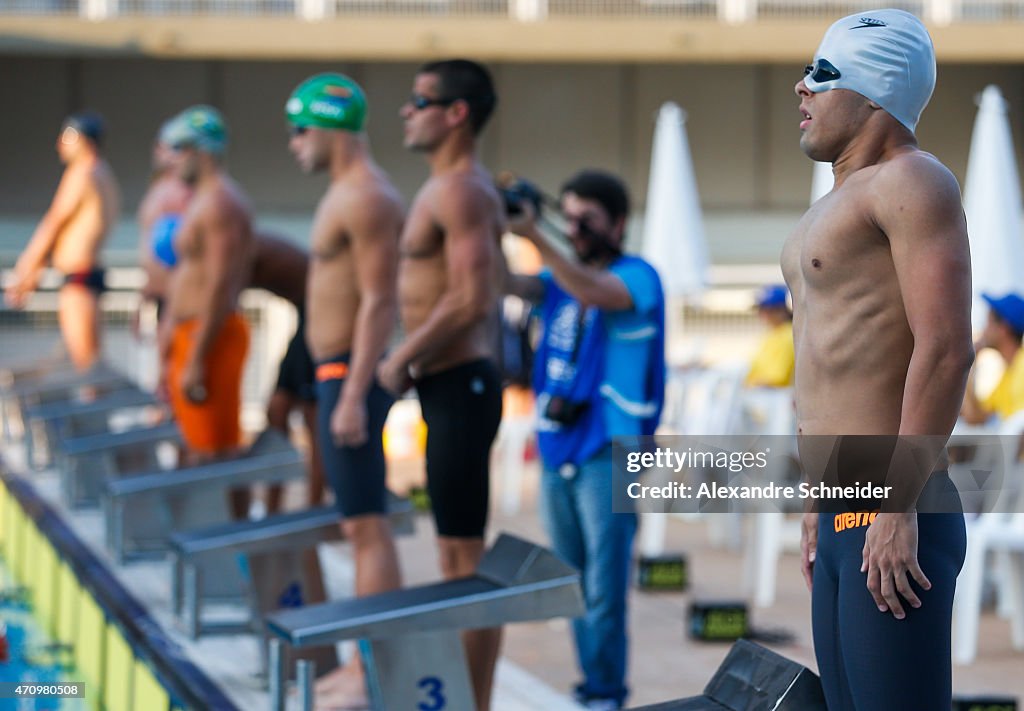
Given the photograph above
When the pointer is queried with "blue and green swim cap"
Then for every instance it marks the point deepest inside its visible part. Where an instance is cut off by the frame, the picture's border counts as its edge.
(199, 127)
(330, 101)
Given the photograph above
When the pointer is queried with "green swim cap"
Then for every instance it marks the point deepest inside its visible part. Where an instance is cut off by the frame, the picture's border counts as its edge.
(199, 127)
(331, 101)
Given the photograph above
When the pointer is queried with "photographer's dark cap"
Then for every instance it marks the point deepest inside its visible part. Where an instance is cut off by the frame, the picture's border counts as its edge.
(1009, 308)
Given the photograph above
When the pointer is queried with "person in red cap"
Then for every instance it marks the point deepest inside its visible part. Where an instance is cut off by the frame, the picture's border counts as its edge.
(1002, 333)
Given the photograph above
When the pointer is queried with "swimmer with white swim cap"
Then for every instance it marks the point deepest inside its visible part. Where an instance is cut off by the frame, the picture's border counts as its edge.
(886, 56)
(879, 270)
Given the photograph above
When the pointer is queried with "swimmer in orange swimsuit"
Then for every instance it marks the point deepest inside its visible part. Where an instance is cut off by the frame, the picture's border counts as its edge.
(204, 339)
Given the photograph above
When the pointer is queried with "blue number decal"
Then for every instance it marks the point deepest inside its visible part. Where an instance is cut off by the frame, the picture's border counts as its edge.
(433, 686)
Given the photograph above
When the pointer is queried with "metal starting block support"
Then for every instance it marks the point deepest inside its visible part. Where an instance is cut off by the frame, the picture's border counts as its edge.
(84, 463)
(413, 652)
(12, 373)
(46, 426)
(272, 542)
(180, 499)
(753, 678)
(61, 386)
(38, 387)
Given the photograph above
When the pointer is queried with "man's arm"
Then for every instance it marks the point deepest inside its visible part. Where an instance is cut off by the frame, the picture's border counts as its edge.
(588, 285)
(917, 205)
(528, 287)
(464, 214)
(70, 191)
(928, 238)
(373, 229)
(221, 250)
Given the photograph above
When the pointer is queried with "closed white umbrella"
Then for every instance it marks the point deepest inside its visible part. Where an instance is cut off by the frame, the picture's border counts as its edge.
(674, 239)
(674, 243)
(821, 181)
(992, 203)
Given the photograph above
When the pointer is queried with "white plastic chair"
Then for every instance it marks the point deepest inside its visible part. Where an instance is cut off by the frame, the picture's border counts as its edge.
(1000, 531)
(697, 402)
(513, 442)
(770, 412)
(990, 533)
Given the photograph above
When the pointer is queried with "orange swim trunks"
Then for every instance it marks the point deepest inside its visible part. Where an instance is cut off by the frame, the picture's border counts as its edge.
(211, 426)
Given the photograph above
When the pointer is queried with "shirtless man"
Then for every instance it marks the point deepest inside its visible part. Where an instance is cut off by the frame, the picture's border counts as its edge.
(448, 287)
(880, 275)
(351, 314)
(165, 201)
(281, 267)
(204, 339)
(85, 208)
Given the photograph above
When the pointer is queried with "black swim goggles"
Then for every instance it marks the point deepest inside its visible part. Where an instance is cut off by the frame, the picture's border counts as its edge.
(821, 71)
(420, 102)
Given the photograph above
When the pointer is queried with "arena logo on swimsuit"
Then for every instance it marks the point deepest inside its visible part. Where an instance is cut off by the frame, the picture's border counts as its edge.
(844, 521)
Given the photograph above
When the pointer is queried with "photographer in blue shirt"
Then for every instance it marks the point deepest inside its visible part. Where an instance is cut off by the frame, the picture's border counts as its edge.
(599, 373)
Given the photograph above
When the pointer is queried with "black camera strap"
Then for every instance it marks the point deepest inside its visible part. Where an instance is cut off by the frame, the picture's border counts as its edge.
(577, 342)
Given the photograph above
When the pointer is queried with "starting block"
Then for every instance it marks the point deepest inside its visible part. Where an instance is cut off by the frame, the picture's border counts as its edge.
(12, 373)
(721, 621)
(64, 385)
(272, 542)
(984, 703)
(663, 572)
(46, 426)
(420, 499)
(86, 462)
(753, 678)
(412, 648)
(141, 510)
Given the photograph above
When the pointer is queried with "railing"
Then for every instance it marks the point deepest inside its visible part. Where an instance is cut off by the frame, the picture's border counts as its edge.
(35, 330)
(729, 11)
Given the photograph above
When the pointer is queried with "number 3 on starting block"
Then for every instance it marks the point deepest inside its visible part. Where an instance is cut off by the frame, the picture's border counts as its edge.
(434, 690)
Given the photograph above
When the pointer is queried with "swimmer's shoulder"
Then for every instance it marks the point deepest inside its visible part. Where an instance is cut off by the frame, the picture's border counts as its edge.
(221, 204)
(459, 192)
(915, 168)
(348, 201)
(473, 180)
(912, 175)
(915, 189)
(234, 193)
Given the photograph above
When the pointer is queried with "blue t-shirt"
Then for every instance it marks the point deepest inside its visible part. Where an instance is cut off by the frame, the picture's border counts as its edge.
(614, 361)
(634, 381)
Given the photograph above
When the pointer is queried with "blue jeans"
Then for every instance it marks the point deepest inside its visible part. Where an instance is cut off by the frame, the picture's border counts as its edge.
(577, 513)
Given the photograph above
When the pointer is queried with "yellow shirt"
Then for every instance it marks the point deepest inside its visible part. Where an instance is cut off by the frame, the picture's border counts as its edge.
(773, 363)
(1008, 396)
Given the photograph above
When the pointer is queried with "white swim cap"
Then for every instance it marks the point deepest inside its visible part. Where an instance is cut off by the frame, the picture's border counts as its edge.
(884, 55)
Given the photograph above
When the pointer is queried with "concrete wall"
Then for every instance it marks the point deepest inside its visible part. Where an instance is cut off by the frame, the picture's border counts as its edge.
(552, 119)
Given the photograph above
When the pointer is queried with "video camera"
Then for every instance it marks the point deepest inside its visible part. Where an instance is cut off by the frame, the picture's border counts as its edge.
(516, 192)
